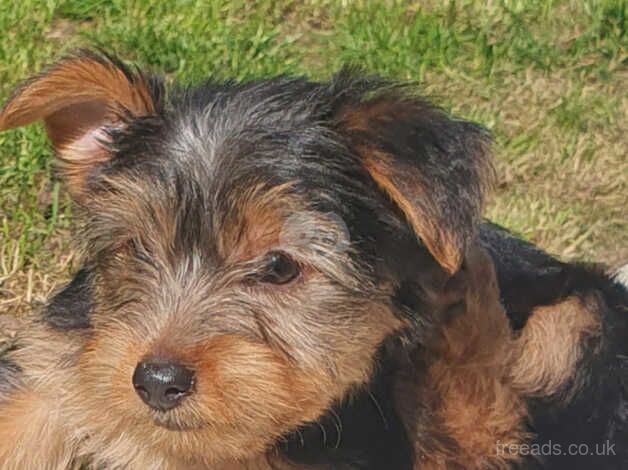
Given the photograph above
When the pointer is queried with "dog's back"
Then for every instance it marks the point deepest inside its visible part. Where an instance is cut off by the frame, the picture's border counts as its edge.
(582, 422)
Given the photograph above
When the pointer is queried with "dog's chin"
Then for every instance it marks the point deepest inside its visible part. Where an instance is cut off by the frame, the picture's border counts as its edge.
(204, 444)
(171, 423)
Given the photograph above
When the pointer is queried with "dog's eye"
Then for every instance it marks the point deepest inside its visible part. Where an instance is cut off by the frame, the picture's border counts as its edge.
(279, 269)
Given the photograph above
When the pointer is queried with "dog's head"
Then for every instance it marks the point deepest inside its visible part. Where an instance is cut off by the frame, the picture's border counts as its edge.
(249, 247)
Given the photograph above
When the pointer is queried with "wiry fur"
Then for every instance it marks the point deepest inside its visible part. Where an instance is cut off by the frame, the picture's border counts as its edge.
(391, 349)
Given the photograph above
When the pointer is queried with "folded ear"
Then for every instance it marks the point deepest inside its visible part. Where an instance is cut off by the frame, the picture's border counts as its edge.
(433, 168)
(81, 99)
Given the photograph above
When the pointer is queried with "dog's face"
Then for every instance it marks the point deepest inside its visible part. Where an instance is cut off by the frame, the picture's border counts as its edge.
(249, 247)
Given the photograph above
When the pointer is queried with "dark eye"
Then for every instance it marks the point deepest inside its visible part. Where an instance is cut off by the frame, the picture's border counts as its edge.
(280, 269)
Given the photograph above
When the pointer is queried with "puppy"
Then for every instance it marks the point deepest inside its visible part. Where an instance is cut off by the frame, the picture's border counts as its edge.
(292, 274)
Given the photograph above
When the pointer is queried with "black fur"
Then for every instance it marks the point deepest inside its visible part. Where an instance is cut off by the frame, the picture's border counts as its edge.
(363, 433)
(69, 308)
(592, 409)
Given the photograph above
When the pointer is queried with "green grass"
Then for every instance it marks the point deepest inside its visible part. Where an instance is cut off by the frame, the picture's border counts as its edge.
(548, 77)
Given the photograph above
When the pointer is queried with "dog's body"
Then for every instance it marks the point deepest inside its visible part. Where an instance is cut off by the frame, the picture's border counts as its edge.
(588, 408)
(293, 275)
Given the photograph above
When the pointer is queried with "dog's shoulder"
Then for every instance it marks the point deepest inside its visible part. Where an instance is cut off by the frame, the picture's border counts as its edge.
(572, 319)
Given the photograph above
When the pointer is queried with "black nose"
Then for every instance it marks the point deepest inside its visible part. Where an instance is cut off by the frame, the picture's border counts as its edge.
(162, 385)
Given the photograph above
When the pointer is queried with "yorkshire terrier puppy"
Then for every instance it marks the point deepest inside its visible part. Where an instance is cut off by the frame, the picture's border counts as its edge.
(292, 274)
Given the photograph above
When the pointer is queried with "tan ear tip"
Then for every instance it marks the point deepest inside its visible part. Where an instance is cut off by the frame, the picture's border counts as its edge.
(452, 266)
(448, 253)
(9, 120)
(14, 111)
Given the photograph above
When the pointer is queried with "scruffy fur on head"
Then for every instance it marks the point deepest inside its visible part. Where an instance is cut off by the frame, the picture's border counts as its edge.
(309, 250)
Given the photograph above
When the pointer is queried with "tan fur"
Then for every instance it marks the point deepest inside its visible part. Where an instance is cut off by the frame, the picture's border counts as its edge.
(385, 172)
(75, 81)
(263, 367)
(247, 395)
(548, 351)
(48, 409)
(480, 375)
(33, 412)
(79, 404)
(75, 98)
(257, 223)
(25, 419)
(404, 183)
(473, 404)
(444, 249)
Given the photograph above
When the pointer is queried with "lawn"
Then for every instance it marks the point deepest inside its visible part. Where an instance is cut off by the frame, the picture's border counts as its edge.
(547, 77)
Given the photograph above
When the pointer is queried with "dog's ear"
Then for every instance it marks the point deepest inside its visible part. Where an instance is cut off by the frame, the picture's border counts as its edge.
(433, 168)
(81, 99)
